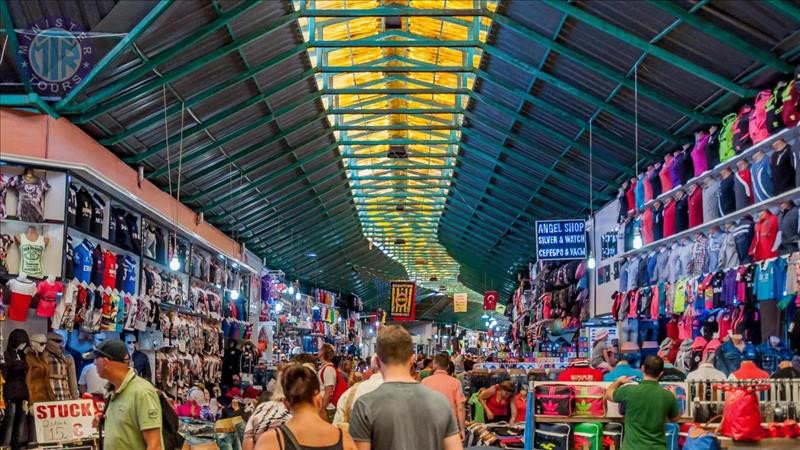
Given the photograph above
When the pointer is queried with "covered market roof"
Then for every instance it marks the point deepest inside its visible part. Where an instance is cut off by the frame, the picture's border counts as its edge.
(355, 142)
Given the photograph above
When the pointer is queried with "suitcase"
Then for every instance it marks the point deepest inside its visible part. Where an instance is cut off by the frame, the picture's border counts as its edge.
(612, 436)
(671, 430)
(588, 436)
(552, 436)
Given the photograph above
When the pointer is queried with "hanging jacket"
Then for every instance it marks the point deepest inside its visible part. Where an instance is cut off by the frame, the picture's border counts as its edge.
(698, 264)
(655, 181)
(726, 197)
(38, 378)
(696, 207)
(784, 170)
(675, 169)
(728, 256)
(712, 149)
(631, 193)
(790, 229)
(699, 160)
(622, 198)
(647, 226)
(669, 218)
(743, 236)
(729, 358)
(648, 184)
(687, 166)
(639, 194)
(682, 214)
(743, 189)
(766, 232)
(658, 221)
(685, 256)
(664, 174)
(713, 250)
(710, 199)
(674, 264)
(762, 179)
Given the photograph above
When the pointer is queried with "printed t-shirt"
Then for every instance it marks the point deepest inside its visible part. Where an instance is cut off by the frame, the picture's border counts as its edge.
(83, 211)
(30, 197)
(765, 281)
(31, 252)
(48, 294)
(82, 263)
(21, 294)
(109, 269)
(647, 408)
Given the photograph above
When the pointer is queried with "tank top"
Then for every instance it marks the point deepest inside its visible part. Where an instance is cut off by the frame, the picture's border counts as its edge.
(290, 441)
(30, 262)
(497, 407)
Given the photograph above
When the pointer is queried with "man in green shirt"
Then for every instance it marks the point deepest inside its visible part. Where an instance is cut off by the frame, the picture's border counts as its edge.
(647, 407)
(133, 413)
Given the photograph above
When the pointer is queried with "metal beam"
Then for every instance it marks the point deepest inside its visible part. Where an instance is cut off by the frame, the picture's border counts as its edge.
(407, 111)
(724, 36)
(110, 57)
(401, 166)
(393, 11)
(410, 155)
(189, 41)
(394, 91)
(369, 68)
(642, 44)
(394, 127)
(431, 142)
(372, 43)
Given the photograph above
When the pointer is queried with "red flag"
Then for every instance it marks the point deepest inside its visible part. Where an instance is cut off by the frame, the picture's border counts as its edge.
(490, 301)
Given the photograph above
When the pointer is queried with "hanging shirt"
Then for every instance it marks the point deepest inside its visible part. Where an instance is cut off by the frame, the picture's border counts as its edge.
(727, 195)
(682, 214)
(30, 197)
(109, 269)
(789, 223)
(712, 149)
(19, 299)
(714, 247)
(72, 204)
(4, 182)
(658, 222)
(639, 194)
(647, 226)
(710, 199)
(5, 243)
(82, 263)
(48, 295)
(784, 169)
(655, 181)
(98, 265)
(98, 215)
(631, 195)
(686, 166)
(665, 174)
(765, 281)
(676, 168)
(698, 263)
(83, 211)
(31, 252)
(662, 266)
(766, 232)
(647, 183)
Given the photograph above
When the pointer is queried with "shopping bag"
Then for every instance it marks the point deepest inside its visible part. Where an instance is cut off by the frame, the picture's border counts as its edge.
(741, 414)
(699, 438)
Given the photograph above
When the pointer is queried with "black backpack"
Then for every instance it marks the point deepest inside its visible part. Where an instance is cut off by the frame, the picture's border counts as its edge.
(172, 440)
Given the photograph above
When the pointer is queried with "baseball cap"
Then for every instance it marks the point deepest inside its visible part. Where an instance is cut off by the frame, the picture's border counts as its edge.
(113, 349)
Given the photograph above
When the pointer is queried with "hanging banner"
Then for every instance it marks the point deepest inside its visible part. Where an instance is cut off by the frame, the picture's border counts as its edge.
(489, 300)
(560, 239)
(63, 421)
(501, 309)
(404, 300)
(460, 303)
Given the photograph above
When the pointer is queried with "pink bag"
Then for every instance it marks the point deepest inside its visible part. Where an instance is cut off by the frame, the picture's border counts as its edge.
(590, 401)
(758, 117)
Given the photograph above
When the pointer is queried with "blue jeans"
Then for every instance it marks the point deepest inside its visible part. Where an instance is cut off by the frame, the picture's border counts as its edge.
(228, 441)
(648, 331)
(628, 331)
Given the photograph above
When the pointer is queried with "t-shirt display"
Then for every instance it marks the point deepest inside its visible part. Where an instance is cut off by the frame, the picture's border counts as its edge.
(31, 253)
(84, 209)
(98, 215)
(5, 243)
(72, 204)
(31, 191)
(4, 181)
(48, 293)
(21, 292)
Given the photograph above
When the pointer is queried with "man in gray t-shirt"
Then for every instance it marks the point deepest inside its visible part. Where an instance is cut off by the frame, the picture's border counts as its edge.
(402, 414)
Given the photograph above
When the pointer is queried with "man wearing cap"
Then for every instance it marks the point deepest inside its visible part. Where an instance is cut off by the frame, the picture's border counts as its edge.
(626, 367)
(133, 413)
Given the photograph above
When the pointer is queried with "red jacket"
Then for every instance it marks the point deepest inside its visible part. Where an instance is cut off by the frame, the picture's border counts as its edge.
(666, 180)
(766, 231)
(696, 208)
(647, 225)
(669, 218)
(631, 195)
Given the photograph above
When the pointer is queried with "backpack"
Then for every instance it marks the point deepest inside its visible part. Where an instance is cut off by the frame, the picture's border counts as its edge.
(612, 436)
(339, 388)
(790, 113)
(741, 130)
(758, 117)
(774, 110)
(170, 423)
(554, 400)
(587, 436)
(552, 436)
(726, 138)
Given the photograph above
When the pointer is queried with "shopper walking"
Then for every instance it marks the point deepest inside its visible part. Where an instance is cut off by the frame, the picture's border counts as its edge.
(344, 408)
(402, 414)
(444, 383)
(268, 415)
(132, 416)
(328, 375)
(647, 407)
(306, 429)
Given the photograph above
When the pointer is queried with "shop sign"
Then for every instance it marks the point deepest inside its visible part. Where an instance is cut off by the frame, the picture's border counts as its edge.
(404, 300)
(460, 303)
(64, 421)
(560, 239)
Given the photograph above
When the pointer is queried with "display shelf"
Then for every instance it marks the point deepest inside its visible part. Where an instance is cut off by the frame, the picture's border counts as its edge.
(81, 235)
(187, 311)
(573, 419)
(165, 268)
(765, 145)
(706, 226)
(14, 220)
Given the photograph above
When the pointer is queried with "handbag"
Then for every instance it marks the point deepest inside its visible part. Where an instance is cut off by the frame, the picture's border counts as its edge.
(699, 438)
(741, 414)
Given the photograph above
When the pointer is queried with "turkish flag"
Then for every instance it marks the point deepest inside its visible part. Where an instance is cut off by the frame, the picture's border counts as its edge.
(489, 300)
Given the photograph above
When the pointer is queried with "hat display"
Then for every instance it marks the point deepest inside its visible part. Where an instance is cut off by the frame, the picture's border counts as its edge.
(113, 349)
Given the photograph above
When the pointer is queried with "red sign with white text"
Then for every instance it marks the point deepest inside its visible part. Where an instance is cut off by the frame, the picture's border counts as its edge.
(64, 421)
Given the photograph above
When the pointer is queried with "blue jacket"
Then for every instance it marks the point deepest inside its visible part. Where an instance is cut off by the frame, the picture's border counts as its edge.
(728, 358)
(769, 356)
